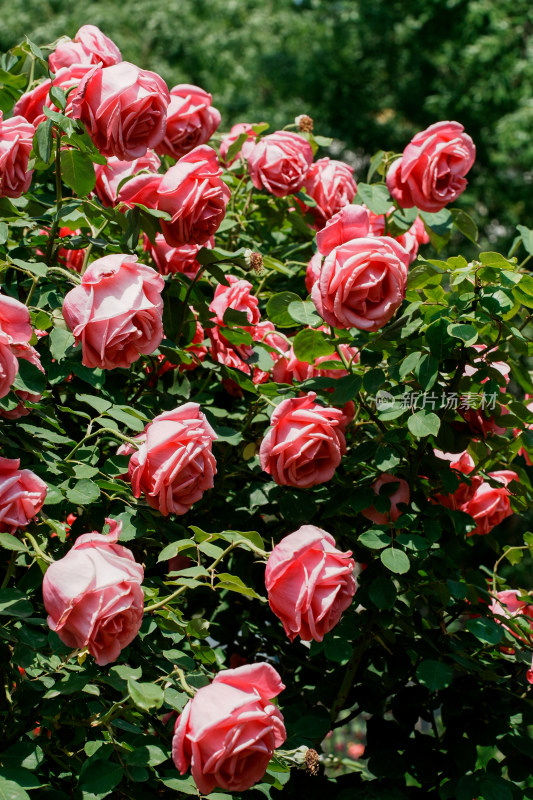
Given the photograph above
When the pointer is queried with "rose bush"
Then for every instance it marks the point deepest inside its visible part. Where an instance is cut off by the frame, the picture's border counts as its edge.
(162, 366)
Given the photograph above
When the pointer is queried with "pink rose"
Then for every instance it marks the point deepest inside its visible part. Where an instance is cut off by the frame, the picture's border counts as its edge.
(490, 505)
(229, 138)
(331, 185)
(193, 192)
(309, 583)
(516, 431)
(116, 311)
(229, 730)
(16, 142)
(15, 320)
(22, 495)
(362, 283)
(30, 104)
(89, 46)
(8, 364)
(288, 368)
(236, 296)
(305, 444)
(27, 353)
(430, 173)
(109, 176)
(279, 163)
(400, 495)
(124, 109)
(507, 604)
(93, 595)
(170, 260)
(175, 464)
(410, 240)
(351, 222)
(191, 120)
(142, 189)
(312, 272)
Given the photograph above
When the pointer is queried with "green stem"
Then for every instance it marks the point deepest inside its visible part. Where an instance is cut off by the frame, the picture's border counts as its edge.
(99, 432)
(32, 290)
(183, 683)
(166, 600)
(88, 249)
(37, 549)
(59, 200)
(10, 570)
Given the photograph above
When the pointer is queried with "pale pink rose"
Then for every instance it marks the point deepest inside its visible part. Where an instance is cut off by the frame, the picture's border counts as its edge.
(191, 120)
(399, 496)
(124, 109)
(89, 46)
(288, 368)
(430, 173)
(93, 595)
(331, 185)
(236, 296)
(28, 353)
(170, 260)
(229, 138)
(195, 195)
(362, 283)
(279, 163)
(229, 730)
(8, 364)
(15, 320)
(309, 583)
(22, 494)
(313, 271)
(410, 240)
(16, 142)
(109, 176)
(305, 443)
(351, 222)
(116, 311)
(175, 464)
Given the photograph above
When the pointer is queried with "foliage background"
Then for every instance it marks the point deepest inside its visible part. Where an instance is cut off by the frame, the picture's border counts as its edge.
(367, 72)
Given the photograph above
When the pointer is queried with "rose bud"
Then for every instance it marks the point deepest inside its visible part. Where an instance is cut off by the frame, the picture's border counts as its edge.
(331, 185)
(230, 138)
(305, 444)
(400, 495)
(236, 296)
(89, 46)
(362, 283)
(116, 311)
(22, 494)
(430, 173)
(175, 464)
(279, 163)
(124, 109)
(309, 583)
(16, 142)
(93, 595)
(229, 730)
(191, 120)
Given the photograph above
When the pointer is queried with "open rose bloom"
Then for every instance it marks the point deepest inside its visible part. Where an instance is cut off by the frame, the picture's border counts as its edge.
(191, 120)
(280, 162)
(22, 494)
(16, 142)
(93, 595)
(229, 730)
(89, 46)
(309, 583)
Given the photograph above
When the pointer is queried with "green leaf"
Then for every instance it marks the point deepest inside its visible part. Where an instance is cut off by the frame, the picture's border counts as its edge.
(395, 560)
(427, 371)
(434, 674)
(234, 584)
(304, 312)
(486, 630)
(375, 539)
(100, 777)
(127, 416)
(465, 224)
(382, 592)
(145, 695)
(9, 790)
(98, 403)
(467, 333)
(13, 603)
(527, 238)
(147, 755)
(84, 492)
(29, 378)
(409, 363)
(310, 344)
(77, 171)
(346, 388)
(10, 542)
(277, 309)
(375, 196)
(43, 140)
(422, 424)
(60, 341)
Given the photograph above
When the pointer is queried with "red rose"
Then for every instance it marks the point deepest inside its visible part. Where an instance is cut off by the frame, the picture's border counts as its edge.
(191, 120)
(430, 173)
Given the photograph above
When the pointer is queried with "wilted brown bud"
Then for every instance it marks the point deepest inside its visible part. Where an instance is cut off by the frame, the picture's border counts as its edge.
(254, 260)
(305, 123)
(312, 762)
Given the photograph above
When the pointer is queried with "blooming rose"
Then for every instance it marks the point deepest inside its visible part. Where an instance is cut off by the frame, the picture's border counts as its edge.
(16, 142)
(400, 495)
(508, 604)
(305, 444)
(191, 120)
(478, 420)
(89, 46)
(229, 730)
(109, 176)
(351, 222)
(193, 192)
(124, 109)
(116, 311)
(361, 283)
(30, 104)
(236, 296)
(410, 240)
(169, 260)
(175, 464)
(15, 320)
(313, 271)
(430, 173)
(279, 163)
(231, 137)
(22, 495)
(27, 353)
(289, 368)
(93, 595)
(309, 583)
(331, 185)
(8, 364)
